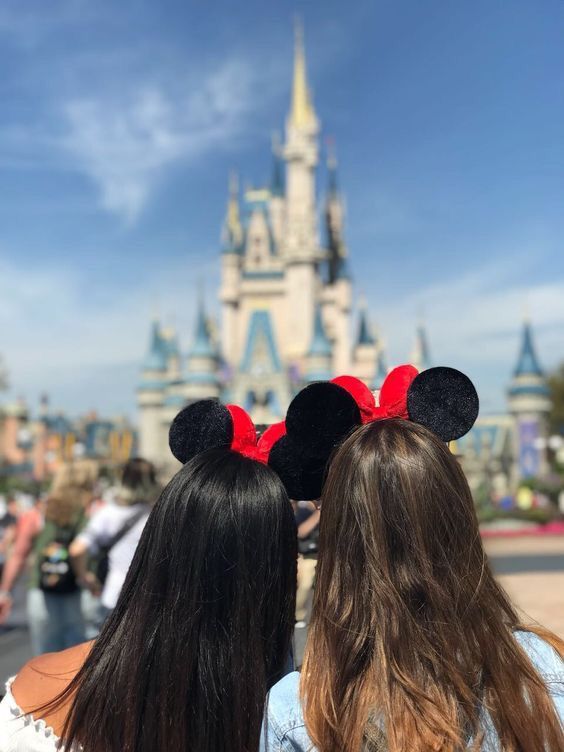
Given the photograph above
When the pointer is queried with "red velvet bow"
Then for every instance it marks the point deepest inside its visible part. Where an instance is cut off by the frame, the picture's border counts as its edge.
(393, 394)
(361, 395)
(244, 434)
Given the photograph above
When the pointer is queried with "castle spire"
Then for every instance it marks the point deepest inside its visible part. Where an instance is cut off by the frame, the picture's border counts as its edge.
(364, 334)
(302, 113)
(277, 185)
(527, 364)
(420, 356)
(332, 185)
(232, 236)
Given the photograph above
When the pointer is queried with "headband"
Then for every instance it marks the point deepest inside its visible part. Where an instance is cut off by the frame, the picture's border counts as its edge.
(323, 414)
(208, 424)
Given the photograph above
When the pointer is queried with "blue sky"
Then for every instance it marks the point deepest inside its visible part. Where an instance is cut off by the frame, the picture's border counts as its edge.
(120, 122)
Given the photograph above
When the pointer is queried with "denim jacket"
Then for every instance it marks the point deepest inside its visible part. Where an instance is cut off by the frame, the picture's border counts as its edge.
(284, 729)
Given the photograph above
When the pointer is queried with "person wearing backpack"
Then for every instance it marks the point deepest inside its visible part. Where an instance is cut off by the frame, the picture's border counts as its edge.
(112, 533)
(54, 597)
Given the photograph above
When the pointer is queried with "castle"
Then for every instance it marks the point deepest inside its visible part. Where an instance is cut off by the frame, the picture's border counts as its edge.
(286, 296)
(286, 316)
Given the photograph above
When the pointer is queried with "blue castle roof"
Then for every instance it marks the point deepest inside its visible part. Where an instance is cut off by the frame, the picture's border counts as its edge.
(202, 346)
(527, 364)
(381, 371)
(364, 334)
(320, 343)
(156, 359)
(260, 331)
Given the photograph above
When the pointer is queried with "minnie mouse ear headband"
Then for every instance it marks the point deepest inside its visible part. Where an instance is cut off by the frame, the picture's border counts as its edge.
(442, 399)
(208, 424)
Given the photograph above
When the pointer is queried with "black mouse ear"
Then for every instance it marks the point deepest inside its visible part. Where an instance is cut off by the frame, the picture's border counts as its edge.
(443, 400)
(320, 416)
(302, 476)
(202, 425)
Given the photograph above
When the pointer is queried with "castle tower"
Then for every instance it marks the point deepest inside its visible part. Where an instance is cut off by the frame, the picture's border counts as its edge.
(381, 371)
(366, 348)
(337, 293)
(151, 393)
(529, 404)
(420, 357)
(231, 262)
(277, 208)
(300, 247)
(319, 360)
(202, 364)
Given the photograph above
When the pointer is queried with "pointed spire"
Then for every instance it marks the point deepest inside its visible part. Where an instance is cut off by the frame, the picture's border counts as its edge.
(277, 186)
(381, 370)
(332, 184)
(365, 336)
(232, 235)
(320, 343)
(202, 345)
(527, 363)
(157, 355)
(420, 357)
(302, 113)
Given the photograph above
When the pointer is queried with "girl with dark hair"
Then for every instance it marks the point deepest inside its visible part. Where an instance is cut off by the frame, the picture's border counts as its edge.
(413, 645)
(200, 632)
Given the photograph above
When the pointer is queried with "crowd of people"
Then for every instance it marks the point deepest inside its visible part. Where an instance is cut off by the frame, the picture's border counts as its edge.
(73, 546)
(412, 644)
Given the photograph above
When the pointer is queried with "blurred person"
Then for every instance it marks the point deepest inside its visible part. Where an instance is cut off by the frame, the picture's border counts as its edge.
(112, 534)
(8, 523)
(413, 645)
(54, 599)
(201, 630)
(307, 522)
(29, 525)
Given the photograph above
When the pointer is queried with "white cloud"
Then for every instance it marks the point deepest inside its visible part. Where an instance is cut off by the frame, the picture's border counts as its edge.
(124, 143)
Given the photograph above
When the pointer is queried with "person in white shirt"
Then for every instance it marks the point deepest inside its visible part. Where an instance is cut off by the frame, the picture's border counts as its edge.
(113, 532)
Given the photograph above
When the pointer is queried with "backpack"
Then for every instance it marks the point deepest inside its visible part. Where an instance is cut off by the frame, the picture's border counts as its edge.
(102, 560)
(55, 571)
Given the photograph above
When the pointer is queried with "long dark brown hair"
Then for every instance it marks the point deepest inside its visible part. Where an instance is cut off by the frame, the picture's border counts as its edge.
(203, 625)
(410, 632)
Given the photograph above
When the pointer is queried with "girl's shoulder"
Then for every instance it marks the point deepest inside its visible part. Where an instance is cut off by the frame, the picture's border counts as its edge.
(284, 726)
(42, 679)
(544, 657)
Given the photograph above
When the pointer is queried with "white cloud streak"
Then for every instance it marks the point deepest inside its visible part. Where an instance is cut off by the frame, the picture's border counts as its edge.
(124, 144)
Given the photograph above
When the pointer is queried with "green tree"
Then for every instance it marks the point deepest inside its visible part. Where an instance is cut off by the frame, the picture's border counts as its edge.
(556, 415)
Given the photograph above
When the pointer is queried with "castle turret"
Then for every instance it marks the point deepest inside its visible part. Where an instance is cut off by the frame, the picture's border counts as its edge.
(529, 404)
(202, 365)
(231, 263)
(301, 249)
(420, 356)
(277, 210)
(319, 360)
(334, 223)
(151, 394)
(172, 354)
(366, 348)
(381, 371)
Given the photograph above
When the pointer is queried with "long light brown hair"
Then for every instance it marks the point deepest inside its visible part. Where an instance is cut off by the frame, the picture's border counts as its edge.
(410, 633)
(65, 506)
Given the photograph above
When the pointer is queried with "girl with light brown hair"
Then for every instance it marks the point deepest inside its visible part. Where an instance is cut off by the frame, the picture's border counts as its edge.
(413, 645)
